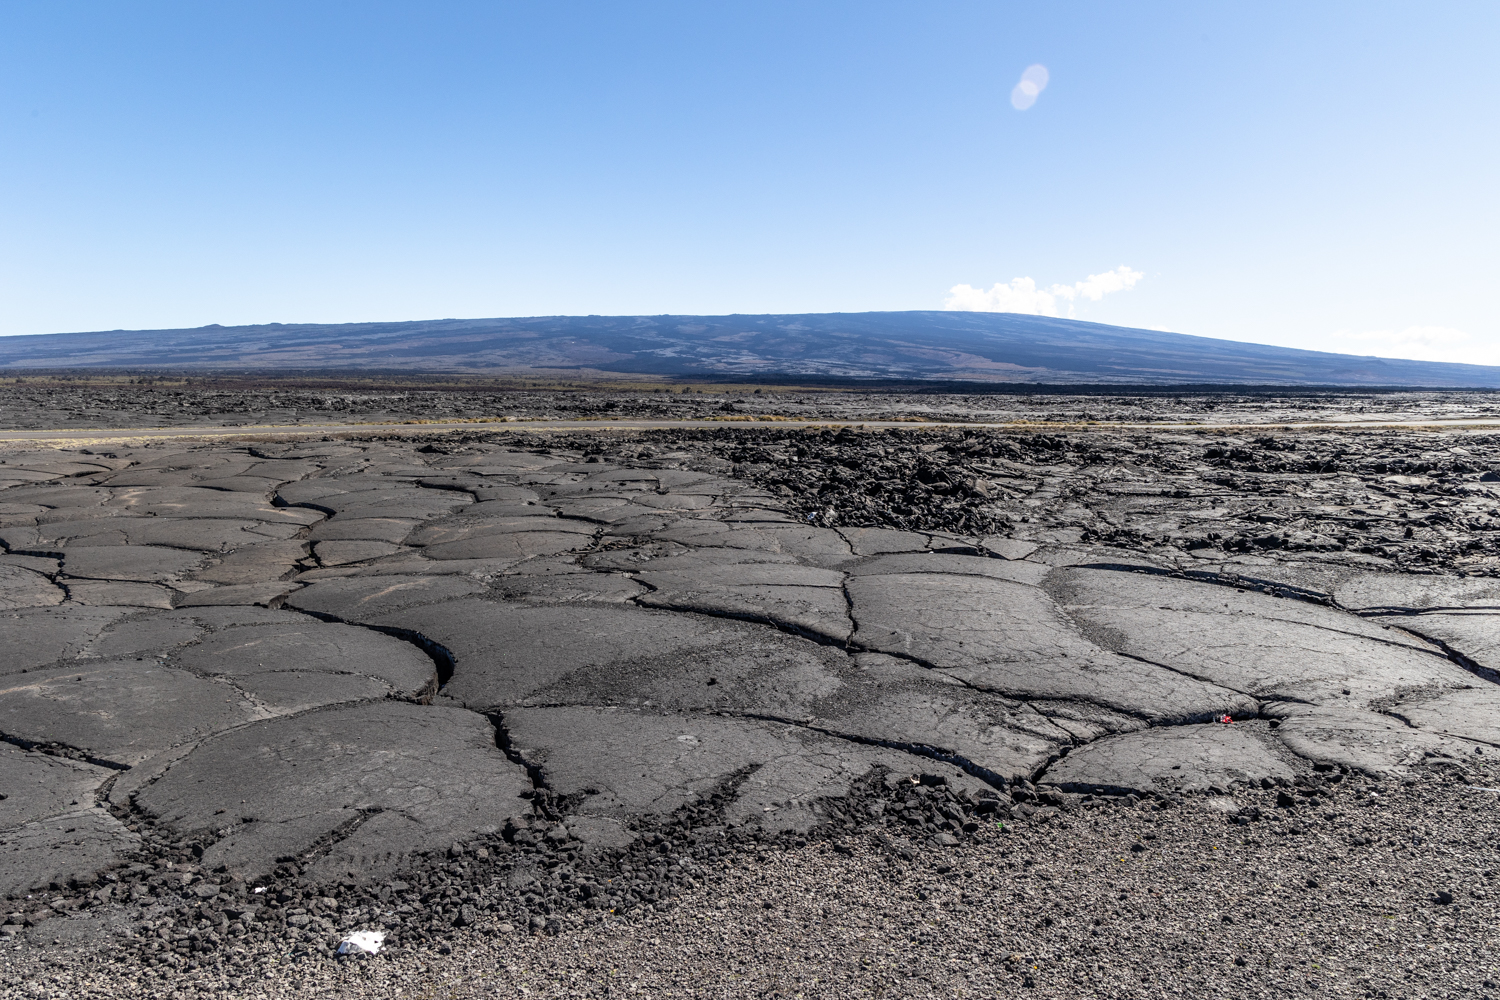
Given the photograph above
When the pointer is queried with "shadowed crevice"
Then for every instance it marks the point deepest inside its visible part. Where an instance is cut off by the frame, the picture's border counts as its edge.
(1477, 669)
(441, 656)
(924, 750)
(54, 749)
(504, 745)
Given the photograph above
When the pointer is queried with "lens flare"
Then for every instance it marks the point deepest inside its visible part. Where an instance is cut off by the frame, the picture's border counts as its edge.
(1033, 82)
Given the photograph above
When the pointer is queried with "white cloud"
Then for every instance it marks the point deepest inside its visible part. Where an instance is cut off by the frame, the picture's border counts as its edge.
(1020, 296)
(1419, 343)
(1096, 286)
(1033, 82)
(1023, 296)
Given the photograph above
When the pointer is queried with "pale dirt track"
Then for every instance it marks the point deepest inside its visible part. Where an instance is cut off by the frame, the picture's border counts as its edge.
(116, 435)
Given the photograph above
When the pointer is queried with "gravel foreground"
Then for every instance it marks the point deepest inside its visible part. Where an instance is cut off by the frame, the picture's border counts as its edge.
(1358, 888)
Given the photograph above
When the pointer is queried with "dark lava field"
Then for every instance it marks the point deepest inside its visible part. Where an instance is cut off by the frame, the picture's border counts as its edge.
(31, 402)
(1055, 711)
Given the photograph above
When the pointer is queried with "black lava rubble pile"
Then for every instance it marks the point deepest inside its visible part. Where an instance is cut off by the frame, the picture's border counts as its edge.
(531, 878)
(1330, 884)
(1401, 500)
(929, 480)
(535, 879)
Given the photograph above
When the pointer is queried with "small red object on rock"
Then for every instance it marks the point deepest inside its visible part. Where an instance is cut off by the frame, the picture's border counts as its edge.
(1226, 720)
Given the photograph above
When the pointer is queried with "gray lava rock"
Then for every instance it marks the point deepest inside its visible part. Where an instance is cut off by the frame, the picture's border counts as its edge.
(372, 784)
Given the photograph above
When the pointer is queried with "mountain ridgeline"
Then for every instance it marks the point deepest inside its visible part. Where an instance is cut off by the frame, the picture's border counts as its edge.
(984, 347)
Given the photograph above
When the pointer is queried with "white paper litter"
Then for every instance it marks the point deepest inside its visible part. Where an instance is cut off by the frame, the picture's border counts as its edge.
(260, 888)
(366, 941)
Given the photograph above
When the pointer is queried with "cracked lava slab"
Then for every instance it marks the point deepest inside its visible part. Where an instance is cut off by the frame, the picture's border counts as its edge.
(355, 653)
(350, 792)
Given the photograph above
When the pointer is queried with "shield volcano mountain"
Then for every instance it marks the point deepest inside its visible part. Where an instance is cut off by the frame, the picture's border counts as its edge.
(980, 347)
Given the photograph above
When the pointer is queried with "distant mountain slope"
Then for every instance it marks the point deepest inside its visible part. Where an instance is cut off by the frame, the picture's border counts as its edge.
(1001, 347)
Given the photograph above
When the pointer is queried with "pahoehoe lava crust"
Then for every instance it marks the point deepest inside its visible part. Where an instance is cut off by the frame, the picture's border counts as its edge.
(504, 683)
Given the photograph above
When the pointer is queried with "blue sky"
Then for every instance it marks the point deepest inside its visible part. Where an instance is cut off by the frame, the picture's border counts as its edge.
(1312, 175)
